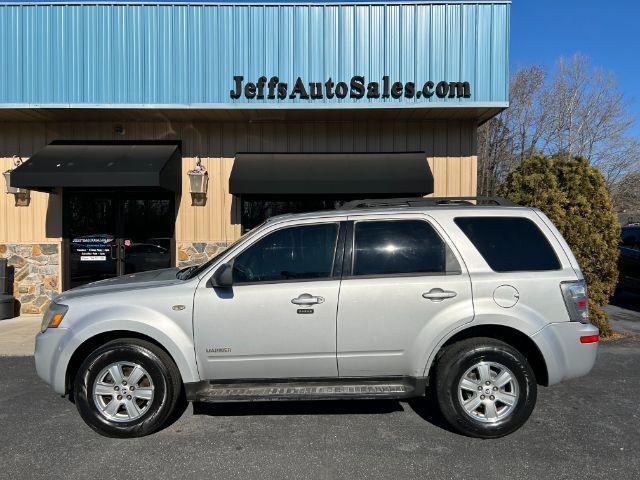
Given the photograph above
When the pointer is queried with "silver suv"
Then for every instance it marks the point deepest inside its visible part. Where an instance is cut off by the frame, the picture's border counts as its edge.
(473, 305)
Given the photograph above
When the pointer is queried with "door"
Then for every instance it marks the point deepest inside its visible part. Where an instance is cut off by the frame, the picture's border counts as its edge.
(402, 286)
(629, 263)
(147, 228)
(91, 237)
(278, 320)
(108, 234)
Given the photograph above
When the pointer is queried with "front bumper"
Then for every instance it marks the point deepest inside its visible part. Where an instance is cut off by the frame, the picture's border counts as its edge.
(48, 352)
(565, 356)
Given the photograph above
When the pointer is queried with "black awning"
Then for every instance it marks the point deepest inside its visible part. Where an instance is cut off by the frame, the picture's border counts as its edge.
(103, 165)
(331, 174)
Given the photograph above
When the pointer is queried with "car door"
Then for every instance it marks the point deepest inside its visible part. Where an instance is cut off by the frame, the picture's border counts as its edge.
(403, 286)
(278, 319)
(630, 259)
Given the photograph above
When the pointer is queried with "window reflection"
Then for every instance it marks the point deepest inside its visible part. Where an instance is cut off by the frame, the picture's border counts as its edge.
(255, 210)
(398, 246)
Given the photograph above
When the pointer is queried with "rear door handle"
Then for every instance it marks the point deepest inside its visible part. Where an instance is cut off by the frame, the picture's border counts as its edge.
(307, 299)
(438, 294)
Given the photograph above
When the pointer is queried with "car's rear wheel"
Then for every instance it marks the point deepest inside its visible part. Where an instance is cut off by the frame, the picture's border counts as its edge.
(127, 388)
(485, 388)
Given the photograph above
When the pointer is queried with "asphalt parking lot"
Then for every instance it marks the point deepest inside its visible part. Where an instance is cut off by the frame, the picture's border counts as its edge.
(585, 428)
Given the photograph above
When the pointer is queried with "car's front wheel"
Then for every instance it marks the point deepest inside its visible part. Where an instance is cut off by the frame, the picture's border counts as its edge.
(485, 388)
(127, 388)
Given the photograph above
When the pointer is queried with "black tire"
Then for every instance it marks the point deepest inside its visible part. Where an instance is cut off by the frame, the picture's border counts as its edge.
(160, 367)
(460, 357)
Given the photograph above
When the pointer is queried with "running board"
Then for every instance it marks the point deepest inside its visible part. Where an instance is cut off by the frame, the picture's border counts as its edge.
(305, 389)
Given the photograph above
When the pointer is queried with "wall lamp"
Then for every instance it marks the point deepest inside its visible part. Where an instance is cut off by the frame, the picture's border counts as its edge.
(198, 183)
(22, 196)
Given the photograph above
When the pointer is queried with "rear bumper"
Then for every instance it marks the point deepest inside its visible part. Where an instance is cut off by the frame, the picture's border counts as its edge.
(566, 357)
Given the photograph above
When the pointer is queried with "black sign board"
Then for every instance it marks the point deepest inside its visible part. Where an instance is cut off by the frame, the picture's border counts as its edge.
(92, 248)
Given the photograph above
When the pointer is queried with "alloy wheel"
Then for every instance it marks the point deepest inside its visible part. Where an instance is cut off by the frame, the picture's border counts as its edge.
(488, 392)
(123, 391)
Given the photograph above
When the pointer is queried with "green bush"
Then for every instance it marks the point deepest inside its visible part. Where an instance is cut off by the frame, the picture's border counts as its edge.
(575, 197)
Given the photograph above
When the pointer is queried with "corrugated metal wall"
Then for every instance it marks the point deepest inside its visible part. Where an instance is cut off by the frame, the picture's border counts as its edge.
(187, 55)
(449, 148)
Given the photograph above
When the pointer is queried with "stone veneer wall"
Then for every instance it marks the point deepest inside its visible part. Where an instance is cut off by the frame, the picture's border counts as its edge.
(36, 273)
(36, 269)
(195, 253)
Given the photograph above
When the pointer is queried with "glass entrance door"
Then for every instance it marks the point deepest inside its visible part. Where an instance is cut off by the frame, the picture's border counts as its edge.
(114, 233)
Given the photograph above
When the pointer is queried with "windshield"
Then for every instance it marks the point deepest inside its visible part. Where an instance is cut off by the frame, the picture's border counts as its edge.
(195, 270)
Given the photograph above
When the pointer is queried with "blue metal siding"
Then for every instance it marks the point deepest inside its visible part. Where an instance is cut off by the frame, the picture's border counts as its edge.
(187, 54)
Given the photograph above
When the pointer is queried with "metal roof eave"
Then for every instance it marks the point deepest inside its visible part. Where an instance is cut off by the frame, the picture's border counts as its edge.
(480, 112)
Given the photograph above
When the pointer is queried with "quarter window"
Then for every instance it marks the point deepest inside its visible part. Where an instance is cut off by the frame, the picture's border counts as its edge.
(510, 244)
(399, 247)
(294, 253)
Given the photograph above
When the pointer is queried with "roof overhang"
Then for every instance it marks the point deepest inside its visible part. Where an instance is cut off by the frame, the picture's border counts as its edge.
(478, 112)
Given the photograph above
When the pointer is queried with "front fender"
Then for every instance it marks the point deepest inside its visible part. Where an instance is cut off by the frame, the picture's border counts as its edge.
(141, 320)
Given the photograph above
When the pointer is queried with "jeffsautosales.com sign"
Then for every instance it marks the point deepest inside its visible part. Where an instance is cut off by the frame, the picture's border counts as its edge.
(357, 88)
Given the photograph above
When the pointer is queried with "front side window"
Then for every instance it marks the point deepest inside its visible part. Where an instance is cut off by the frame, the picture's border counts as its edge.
(399, 247)
(295, 253)
(510, 244)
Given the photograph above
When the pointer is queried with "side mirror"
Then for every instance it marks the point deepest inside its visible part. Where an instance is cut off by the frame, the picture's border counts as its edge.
(223, 277)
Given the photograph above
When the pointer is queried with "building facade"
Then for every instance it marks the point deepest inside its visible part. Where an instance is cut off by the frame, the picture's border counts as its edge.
(287, 107)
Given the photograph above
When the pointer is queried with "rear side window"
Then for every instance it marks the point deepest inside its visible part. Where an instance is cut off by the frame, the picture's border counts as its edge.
(398, 247)
(510, 244)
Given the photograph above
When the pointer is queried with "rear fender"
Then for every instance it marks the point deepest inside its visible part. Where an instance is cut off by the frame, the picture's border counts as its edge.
(528, 326)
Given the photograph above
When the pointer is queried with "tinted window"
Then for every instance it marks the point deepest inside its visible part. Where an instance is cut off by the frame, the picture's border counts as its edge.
(631, 238)
(400, 246)
(295, 253)
(510, 244)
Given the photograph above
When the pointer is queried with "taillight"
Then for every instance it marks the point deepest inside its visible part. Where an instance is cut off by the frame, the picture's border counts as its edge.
(589, 339)
(576, 300)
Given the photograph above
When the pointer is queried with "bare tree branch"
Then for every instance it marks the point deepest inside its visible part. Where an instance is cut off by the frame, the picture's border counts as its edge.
(578, 111)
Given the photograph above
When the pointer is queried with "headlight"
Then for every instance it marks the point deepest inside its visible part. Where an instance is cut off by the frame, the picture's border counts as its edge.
(53, 316)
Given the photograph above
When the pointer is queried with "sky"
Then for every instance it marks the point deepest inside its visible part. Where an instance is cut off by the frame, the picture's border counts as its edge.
(608, 32)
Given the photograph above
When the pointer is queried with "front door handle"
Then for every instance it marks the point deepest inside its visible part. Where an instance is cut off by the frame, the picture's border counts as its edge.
(307, 299)
(438, 294)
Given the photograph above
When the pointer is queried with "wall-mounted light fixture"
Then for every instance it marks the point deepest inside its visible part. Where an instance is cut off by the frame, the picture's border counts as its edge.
(22, 196)
(198, 183)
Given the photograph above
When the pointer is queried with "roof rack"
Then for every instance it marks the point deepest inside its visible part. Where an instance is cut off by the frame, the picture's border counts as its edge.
(428, 202)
